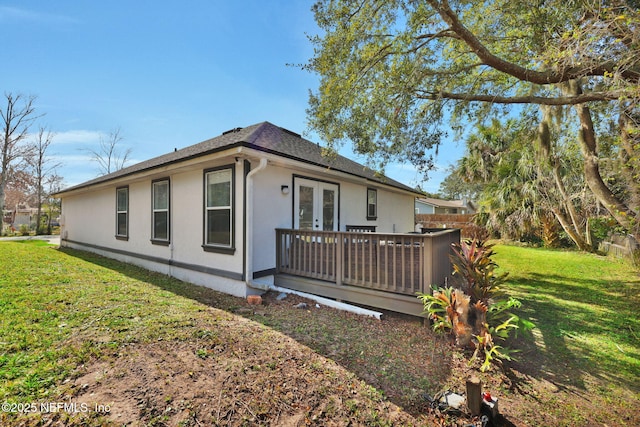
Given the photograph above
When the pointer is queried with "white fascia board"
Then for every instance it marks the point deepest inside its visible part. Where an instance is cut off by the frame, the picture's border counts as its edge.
(157, 172)
(336, 175)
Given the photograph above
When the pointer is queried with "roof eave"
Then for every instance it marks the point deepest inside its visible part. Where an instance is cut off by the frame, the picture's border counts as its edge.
(106, 179)
(242, 144)
(330, 168)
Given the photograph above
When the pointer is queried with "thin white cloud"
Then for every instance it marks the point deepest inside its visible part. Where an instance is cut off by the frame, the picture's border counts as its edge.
(72, 159)
(77, 137)
(13, 14)
(75, 168)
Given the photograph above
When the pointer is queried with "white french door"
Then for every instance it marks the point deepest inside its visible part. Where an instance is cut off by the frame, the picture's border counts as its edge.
(315, 205)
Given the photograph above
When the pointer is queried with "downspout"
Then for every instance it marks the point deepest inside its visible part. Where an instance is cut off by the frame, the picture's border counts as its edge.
(171, 231)
(248, 273)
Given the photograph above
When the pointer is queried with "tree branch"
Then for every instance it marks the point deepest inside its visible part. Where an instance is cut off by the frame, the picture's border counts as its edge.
(522, 73)
(539, 100)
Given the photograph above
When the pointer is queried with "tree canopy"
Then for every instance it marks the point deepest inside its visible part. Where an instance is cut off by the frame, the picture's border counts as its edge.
(398, 77)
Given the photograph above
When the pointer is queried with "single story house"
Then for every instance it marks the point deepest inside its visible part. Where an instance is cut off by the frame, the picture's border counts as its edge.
(428, 205)
(208, 213)
(23, 214)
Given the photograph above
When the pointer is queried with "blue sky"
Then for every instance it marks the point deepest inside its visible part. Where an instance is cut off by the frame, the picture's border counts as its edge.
(166, 73)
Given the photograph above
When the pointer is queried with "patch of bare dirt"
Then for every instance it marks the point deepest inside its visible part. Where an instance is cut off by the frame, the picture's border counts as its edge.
(280, 365)
(236, 372)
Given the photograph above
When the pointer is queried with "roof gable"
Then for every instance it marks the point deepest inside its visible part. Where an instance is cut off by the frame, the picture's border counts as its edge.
(262, 137)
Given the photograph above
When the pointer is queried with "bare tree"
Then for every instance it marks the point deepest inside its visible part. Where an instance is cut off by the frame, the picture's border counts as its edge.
(108, 155)
(43, 168)
(54, 183)
(17, 116)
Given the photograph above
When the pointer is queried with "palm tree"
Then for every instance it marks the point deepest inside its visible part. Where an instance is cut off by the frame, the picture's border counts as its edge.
(532, 178)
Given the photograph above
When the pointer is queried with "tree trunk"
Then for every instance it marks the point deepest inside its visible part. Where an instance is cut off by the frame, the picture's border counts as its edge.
(588, 145)
(39, 196)
(630, 155)
(3, 181)
(576, 219)
(38, 218)
(571, 225)
(550, 235)
(566, 226)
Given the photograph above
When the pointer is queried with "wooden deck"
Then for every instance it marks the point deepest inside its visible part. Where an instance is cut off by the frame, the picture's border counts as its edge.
(382, 270)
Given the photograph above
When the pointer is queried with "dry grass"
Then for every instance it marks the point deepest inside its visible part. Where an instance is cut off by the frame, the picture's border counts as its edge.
(81, 328)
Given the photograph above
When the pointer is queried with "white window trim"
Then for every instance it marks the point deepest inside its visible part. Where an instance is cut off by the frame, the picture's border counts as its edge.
(154, 210)
(118, 212)
(375, 204)
(216, 247)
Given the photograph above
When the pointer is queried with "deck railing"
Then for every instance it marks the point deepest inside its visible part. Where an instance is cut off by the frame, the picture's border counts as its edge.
(390, 262)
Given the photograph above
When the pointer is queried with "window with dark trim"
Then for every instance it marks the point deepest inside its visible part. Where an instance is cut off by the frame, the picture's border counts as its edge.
(160, 211)
(218, 209)
(122, 213)
(372, 203)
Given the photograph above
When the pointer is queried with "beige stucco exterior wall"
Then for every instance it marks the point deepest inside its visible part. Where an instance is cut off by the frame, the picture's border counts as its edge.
(89, 223)
(273, 209)
(395, 209)
(187, 221)
(89, 218)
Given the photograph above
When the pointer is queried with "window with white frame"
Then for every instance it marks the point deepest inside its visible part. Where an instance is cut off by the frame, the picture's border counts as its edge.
(160, 211)
(218, 219)
(372, 203)
(122, 213)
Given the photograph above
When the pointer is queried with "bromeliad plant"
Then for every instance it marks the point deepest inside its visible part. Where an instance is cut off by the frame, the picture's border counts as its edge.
(441, 307)
(474, 311)
(474, 270)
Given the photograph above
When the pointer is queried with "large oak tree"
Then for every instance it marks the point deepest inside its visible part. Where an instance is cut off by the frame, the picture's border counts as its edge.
(396, 76)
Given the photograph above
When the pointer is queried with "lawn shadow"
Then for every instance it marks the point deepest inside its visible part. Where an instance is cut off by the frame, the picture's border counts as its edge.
(398, 355)
(568, 313)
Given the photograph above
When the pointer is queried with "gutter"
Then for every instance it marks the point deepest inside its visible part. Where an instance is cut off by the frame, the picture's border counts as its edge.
(248, 272)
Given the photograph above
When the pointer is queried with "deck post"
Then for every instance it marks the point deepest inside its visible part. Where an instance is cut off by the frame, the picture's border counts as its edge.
(278, 249)
(427, 264)
(339, 238)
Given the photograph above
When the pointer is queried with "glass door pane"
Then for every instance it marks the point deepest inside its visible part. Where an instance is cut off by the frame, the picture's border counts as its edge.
(305, 207)
(328, 209)
(315, 205)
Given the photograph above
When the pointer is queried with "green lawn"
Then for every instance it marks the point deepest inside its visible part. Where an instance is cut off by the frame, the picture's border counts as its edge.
(587, 314)
(57, 311)
(60, 309)
(586, 308)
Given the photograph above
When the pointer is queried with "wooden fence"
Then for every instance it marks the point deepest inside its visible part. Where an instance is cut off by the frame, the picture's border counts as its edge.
(465, 222)
(621, 246)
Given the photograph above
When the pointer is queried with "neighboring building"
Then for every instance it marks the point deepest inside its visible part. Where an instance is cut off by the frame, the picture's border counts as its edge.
(207, 213)
(23, 214)
(438, 206)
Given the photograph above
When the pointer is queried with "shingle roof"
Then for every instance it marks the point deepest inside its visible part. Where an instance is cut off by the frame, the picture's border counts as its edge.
(263, 136)
(444, 203)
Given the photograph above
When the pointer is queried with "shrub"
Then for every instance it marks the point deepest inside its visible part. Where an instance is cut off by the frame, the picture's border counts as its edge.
(24, 230)
(475, 313)
(602, 227)
(474, 270)
(439, 306)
